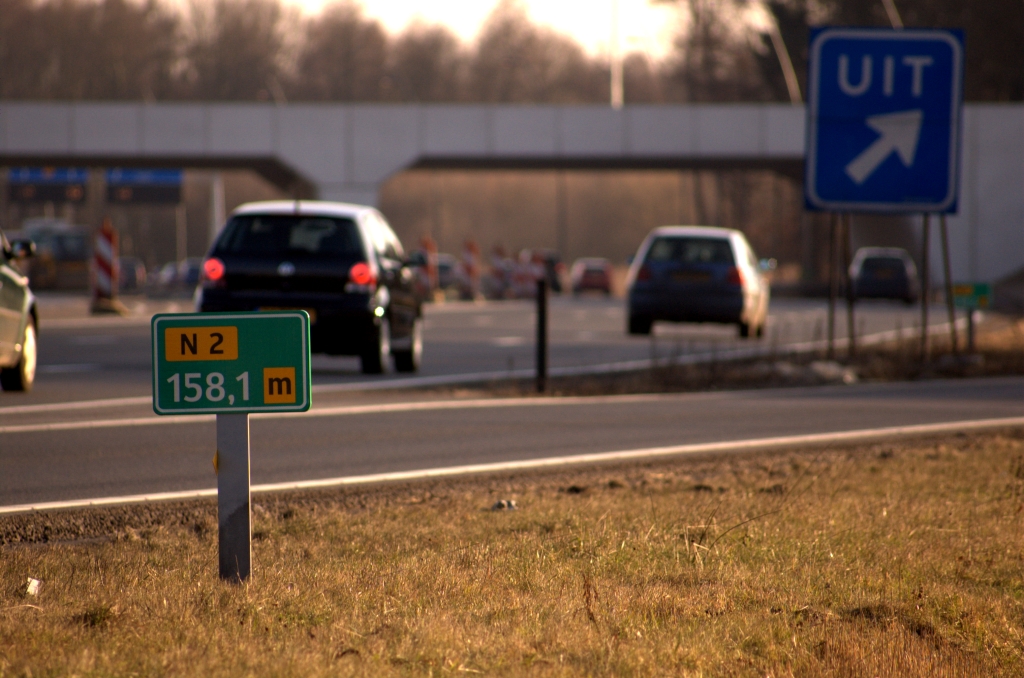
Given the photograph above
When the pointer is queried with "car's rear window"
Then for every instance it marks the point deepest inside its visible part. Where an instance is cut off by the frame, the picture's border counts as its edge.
(294, 236)
(884, 264)
(684, 250)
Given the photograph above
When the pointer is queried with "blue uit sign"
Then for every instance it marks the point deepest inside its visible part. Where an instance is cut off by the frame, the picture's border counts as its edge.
(883, 120)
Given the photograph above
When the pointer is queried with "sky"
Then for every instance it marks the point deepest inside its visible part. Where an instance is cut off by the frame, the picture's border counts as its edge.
(643, 26)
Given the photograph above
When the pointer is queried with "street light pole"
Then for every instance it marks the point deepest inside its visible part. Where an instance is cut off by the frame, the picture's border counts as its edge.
(615, 60)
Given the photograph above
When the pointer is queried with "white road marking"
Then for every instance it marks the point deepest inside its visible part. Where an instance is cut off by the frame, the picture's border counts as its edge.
(508, 341)
(76, 405)
(68, 368)
(101, 321)
(152, 420)
(344, 410)
(724, 447)
(740, 353)
(95, 340)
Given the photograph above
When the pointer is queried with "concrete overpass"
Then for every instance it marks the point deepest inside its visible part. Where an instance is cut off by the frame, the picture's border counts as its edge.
(345, 152)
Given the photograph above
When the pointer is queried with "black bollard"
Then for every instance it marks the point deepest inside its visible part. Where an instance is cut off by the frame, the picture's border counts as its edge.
(542, 334)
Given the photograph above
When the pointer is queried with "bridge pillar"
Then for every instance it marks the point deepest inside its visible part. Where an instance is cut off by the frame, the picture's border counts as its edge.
(360, 194)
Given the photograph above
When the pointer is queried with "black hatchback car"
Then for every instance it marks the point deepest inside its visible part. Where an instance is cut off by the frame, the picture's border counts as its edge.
(18, 321)
(341, 263)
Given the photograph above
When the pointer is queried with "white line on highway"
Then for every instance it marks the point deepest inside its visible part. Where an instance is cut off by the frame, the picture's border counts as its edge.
(101, 321)
(69, 368)
(76, 405)
(497, 375)
(724, 447)
(344, 410)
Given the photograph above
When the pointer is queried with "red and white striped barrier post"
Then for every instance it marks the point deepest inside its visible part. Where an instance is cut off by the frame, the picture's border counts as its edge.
(104, 271)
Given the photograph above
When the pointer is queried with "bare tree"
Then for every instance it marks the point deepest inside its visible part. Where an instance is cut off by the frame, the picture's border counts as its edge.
(791, 17)
(27, 61)
(517, 61)
(234, 52)
(644, 80)
(428, 63)
(994, 31)
(343, 57)
(70, 49)
(716, 55)
(244, 50)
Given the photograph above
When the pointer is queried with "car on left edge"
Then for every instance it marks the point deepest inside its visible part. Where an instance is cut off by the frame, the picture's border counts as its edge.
(18, 319)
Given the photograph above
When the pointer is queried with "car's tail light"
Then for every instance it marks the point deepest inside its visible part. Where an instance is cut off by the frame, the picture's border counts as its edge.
(734, 277)
(361, 278)
(643, 274)
(213, 272)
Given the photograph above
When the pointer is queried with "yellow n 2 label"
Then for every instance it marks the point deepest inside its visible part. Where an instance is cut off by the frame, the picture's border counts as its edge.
(184, 344)
(279, 385)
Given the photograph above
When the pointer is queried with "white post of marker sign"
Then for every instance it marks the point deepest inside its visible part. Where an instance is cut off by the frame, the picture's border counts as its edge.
(233, 514)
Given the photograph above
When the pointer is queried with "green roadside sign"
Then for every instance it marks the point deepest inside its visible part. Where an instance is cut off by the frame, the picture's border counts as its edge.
(221, 363)
(972, 295)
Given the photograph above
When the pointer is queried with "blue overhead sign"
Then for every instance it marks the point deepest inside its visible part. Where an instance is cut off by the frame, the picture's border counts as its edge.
(145, 177)
(47, 184)
(153, 186)
(883, 120)
(48, 175)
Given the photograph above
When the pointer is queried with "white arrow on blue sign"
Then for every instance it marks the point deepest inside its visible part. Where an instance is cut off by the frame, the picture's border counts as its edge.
(883, 120)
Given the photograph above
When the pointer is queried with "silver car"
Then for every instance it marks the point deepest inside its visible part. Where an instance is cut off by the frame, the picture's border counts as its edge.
(697, 274)
(17, 319)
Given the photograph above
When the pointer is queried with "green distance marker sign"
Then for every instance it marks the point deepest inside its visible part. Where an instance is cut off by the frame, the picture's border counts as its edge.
(218, 363)
(972, 295)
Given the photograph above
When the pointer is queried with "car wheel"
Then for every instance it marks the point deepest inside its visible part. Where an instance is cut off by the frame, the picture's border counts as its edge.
(22, 376)
(640, 324)
(374, 358)
(760, 331)
(408, 360)
(744, 330)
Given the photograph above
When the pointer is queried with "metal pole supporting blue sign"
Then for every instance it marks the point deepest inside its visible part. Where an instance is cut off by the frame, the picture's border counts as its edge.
(883, 120)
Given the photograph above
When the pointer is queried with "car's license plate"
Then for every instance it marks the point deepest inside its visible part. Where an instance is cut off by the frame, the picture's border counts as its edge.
(691, 276)
(310, 311)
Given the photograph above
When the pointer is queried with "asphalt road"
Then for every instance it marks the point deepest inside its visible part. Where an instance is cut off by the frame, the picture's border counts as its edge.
(83, 358)
(54, 453)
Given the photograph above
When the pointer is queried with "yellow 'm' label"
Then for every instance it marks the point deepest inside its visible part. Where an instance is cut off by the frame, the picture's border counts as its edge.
(200, 343)
(279, 385)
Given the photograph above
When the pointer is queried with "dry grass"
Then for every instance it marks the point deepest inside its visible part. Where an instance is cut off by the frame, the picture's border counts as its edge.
(894, 560)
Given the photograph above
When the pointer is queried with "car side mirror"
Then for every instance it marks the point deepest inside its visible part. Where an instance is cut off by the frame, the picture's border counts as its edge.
(415, 259)
(23, 249)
